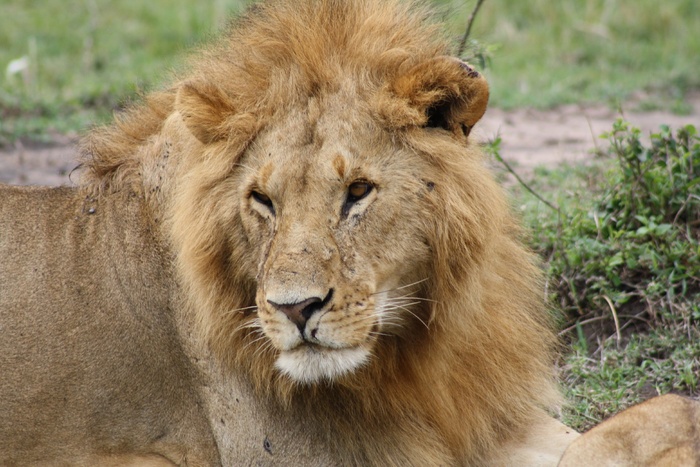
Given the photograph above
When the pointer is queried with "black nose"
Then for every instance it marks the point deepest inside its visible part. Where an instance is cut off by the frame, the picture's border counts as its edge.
(300, 312)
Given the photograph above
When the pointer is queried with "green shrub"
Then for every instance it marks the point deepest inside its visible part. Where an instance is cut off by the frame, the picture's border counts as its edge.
(621, 245)
(633, 256)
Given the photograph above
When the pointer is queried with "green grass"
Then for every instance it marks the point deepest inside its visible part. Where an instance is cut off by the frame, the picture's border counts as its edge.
(547, 53)
(634, 249)
(615, 375)
(86, 58)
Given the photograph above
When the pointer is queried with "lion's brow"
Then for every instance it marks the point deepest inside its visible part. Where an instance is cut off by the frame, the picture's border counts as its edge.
(339, 165)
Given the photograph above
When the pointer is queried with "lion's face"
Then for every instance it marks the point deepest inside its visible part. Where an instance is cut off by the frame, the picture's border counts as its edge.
(333, 211)
(336, 210)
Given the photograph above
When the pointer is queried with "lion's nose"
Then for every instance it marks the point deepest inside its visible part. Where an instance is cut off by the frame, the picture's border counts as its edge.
(300, 312)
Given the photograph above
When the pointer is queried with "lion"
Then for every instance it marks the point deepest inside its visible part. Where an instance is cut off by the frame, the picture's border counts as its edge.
(294, 254)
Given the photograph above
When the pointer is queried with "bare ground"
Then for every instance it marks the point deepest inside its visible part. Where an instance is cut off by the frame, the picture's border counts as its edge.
(569, 133)
(529, 138)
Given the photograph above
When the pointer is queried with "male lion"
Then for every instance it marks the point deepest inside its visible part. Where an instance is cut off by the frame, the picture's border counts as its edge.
(293, 256)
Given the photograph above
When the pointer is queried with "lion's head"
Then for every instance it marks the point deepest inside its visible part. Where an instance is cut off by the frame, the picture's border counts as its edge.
(333, 223)
(335, 213)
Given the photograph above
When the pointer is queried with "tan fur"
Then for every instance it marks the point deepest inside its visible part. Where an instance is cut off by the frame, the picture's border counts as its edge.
(298, 101)
(664, 431)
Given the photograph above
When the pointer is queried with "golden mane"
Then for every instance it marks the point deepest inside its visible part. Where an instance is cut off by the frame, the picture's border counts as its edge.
(269, 59)
(485, 366)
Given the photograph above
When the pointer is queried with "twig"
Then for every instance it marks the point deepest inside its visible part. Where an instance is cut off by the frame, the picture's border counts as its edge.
(581, 323)
(472, 17)
(590, 128)
(617, 322)
(601, 318)
(525, 185)
(680, 211)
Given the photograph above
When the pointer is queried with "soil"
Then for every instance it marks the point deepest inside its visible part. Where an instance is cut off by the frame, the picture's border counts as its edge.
(529, 138)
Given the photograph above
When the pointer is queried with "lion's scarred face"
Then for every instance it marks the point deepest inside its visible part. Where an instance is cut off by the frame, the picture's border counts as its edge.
(330, 208)
(321, 209)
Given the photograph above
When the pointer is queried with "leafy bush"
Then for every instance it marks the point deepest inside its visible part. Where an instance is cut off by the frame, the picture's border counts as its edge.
(633, 258)
(622, 250)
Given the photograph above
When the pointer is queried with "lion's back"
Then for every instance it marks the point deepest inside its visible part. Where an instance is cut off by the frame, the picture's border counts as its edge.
(89, 355)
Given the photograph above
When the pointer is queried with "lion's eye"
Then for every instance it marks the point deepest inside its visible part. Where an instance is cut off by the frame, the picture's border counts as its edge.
(358, 190)
(262, 199)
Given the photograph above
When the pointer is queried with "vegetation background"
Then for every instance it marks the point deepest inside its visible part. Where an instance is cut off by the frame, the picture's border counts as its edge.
(627, 336)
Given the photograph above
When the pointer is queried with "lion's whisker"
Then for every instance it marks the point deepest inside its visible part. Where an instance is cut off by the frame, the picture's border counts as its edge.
(388, 316)
(378, 333)
(365, 318)
(410, 297)
(257, 339)
(254, 341)
(386, 322)
(266, 348)
(414, 315)
(253, 324)
(394, 306)
(241, 310)
(411, 284)
(262, 349)
(392, 318)
(401, 287)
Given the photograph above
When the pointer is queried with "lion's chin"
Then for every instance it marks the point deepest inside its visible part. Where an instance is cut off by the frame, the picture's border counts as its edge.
(306, 364)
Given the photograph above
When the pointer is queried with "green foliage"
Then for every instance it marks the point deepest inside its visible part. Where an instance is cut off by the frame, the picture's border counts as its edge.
(65, 64)
(622, 248)
(588, 50)
(635, 255)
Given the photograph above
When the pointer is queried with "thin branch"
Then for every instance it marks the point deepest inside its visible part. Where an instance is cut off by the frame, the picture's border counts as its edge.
(525, 185)
(472, 17)
(601, 318)
(614, 315)
(581, 323)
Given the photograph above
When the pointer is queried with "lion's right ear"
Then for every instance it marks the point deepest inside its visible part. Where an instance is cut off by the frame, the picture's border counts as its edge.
(443, 92)
(205, 109)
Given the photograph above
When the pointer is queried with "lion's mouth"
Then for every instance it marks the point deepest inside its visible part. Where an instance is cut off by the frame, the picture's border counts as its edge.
(310, 363)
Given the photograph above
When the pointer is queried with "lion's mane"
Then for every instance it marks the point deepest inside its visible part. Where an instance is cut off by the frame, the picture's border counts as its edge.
(483, 366)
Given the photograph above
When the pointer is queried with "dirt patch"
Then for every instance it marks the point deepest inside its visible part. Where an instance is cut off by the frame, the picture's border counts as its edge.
(38, 163)
(529, 138)
(569, 133)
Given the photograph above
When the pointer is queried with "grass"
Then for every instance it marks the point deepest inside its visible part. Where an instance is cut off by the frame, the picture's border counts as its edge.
(615, 375)
(85, 59)
(636, 247)
(622, 243)
(547, 53)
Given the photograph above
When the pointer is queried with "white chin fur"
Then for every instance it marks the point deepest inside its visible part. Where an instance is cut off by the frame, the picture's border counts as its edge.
(310, 365)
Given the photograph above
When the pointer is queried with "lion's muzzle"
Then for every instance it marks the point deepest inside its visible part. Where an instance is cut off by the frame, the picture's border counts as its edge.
(299, 313)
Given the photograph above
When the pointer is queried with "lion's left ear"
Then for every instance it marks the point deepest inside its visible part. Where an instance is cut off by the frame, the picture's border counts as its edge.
(443, 92)
(205, 110)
